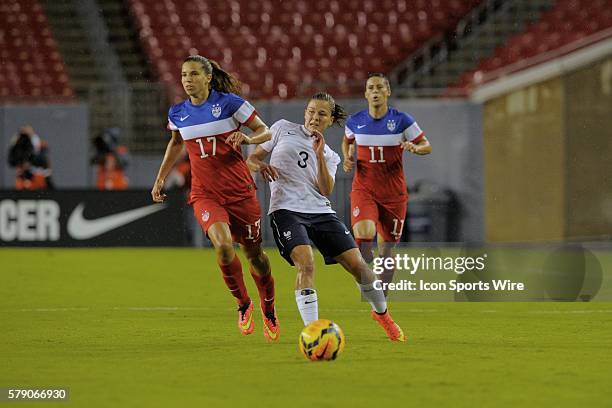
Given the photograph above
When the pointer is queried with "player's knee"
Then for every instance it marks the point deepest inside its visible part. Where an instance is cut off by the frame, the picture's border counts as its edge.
(365, 230)
(225, 253)
(258, 258)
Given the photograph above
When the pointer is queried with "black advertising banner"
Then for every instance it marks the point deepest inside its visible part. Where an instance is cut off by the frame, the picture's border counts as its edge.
(90, 218)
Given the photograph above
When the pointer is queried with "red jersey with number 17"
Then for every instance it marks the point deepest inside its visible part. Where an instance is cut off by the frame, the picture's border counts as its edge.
(218, 171)
(379, 170)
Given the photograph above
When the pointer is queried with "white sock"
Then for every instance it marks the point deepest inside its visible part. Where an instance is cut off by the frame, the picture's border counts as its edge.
(376, 297)
(308, 305)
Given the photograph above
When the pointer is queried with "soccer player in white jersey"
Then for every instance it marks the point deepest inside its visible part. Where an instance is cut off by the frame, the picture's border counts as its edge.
(379, 197)
(222, 190)
(301, 173)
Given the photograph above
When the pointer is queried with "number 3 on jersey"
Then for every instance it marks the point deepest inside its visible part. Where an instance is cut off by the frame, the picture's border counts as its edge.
(212, 140)
(302, 163)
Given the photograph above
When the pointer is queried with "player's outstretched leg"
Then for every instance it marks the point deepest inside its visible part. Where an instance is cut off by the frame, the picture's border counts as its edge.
(259, 266)
(305, 293)
(352, 261)
(219, 234)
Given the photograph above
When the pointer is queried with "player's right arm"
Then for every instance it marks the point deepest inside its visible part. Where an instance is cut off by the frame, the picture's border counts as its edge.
(256, 163)
(348, 152)
(173, 152)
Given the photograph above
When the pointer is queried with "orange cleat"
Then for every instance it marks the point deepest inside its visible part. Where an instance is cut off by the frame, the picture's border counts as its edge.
(246, 324)
(394, 332)
(271, 326)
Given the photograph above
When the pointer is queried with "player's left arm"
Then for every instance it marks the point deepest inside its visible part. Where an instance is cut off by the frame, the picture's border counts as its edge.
(420, 146)
(325, 182)
(261, 133)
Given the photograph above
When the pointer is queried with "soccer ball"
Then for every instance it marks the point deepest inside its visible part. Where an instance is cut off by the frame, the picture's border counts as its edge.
(321, 340)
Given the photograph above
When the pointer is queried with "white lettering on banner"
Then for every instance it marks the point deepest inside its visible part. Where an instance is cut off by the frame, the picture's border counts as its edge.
(48, 220)
(29, 220)
(8, 220)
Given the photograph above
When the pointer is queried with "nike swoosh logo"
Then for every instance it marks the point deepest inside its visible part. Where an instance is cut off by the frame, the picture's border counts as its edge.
(247, 324)
(182, 118)
(346, 232)
(360, 126)
(80, 228)
(272, 335)
(307, 302)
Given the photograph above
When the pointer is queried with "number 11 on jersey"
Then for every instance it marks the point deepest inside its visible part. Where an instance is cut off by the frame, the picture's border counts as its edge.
(372, 152)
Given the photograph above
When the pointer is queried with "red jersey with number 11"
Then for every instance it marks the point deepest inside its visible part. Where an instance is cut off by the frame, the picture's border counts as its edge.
(379, 170)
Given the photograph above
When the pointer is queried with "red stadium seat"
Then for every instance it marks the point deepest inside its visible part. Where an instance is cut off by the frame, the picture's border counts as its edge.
(296, 36)
(31, 63)
(568, 21)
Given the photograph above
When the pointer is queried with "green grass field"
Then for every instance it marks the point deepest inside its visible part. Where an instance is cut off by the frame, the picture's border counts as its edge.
(156, 328)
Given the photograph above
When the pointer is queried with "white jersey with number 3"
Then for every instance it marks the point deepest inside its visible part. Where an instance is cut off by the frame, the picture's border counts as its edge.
(292, 154)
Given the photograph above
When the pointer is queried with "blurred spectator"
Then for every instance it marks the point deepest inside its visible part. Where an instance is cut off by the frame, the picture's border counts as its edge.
(29, 154)
(110, 159)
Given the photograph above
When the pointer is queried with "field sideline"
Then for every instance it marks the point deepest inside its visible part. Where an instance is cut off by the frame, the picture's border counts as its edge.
(157, 328)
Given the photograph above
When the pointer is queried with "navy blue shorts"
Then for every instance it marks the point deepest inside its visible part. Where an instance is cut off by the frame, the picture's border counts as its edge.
(325, 231)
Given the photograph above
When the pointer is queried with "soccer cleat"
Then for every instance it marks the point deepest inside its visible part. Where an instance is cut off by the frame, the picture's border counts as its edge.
(394, 332)
(246, 324)
(271, 326)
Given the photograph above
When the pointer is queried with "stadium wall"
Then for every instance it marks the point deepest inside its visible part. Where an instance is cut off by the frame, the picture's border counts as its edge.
(453, 127)
(588, 126)
(524, 159)
(547, 147)
(64, 127)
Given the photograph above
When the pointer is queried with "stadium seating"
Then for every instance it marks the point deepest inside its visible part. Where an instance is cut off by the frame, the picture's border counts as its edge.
(567, 22)
(285, 49)
(31, 63)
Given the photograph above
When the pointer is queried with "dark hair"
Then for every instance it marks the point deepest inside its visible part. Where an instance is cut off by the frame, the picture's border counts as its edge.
(221, 81)
(380, 75)
(338, 113)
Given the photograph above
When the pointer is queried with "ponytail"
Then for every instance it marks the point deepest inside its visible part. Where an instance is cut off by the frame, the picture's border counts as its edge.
(221, 81)
(338, 113)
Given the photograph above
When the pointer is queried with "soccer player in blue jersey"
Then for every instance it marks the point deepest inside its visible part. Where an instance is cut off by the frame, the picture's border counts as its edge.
(222, 189)
(379, 197)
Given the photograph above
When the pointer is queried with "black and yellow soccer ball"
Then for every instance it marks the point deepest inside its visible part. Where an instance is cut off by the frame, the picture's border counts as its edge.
(321, 340)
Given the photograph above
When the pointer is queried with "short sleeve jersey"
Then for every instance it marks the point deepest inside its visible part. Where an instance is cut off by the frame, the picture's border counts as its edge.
(292, 154)
(379, 168)
(218, 171)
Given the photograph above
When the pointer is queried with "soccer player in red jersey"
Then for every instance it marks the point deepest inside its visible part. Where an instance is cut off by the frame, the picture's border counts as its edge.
(222, 189)
(379, 197)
